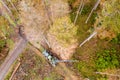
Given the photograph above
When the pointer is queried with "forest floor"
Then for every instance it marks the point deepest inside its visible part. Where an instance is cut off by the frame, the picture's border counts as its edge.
(34, 66)
(38, 23)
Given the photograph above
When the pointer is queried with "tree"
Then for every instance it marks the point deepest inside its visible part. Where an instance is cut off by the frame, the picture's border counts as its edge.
(94, 8)
(110, 16)
(107, 59)
(64, 31)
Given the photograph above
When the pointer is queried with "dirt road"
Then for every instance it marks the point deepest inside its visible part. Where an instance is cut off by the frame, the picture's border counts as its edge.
(13, 54)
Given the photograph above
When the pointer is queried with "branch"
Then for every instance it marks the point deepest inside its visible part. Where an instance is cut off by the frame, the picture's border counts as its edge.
(6, 6)
(58, 61)
(91, 36)
(107, 74)
(4, 13)
(16, 68)
(82, 8)
(13, 5)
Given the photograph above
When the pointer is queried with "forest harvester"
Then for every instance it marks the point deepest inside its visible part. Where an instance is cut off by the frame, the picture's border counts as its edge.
(53, 60)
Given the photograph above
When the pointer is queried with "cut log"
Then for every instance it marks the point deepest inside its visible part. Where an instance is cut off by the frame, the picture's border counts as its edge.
(16, 68)
(107, 74)
(91, 36)
(94, 8)
(82, 2)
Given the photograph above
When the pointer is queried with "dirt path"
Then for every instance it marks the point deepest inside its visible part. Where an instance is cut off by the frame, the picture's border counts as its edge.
(13, 54)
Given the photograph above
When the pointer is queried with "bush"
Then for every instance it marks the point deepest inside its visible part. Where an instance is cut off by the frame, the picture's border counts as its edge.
(2, 44)
(116, 40)
(86, 9)
(71, 1)
(107, 59)
(64, 31)
(110, 17)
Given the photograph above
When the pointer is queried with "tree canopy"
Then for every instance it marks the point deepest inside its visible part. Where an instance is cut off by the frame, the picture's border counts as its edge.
(64, 31)
(110, 16)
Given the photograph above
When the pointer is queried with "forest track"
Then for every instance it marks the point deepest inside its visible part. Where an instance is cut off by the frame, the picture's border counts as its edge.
(12, 55)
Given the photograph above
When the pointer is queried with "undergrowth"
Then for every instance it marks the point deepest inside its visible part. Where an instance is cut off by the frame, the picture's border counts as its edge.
(96, 61)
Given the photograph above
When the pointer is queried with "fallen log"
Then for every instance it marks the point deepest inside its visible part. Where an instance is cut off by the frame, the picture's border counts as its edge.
(16, 68)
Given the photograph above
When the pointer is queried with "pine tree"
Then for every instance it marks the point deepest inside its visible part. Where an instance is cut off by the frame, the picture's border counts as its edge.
(110, 16)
